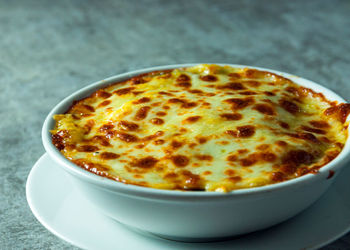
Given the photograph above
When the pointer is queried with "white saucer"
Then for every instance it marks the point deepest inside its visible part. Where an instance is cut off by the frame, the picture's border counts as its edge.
(61, 209)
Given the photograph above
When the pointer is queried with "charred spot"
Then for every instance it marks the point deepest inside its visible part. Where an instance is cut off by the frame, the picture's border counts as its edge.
(242, 131)
(202, 139)
(104, 103)
(189, 105)
(247, 93)
(142, 113)
(319, 124)
(192, 119)
(58, 139)
(146, 162)
(176, 144)
(231, 117)
(269, 93)
(180, 160)
(184, 84)
(127, 126)
(233, 86)
(264, 109)
(283, 124)
(108, 156)
(103, 94)
(313, 130)
(195, 91)
(126, 137)
(142, 100)
(208, 78)
(161, 113)
(157, 121)
(240, 103)
(298, 157)
(289, 106)
(124, 91)
(278, 176)
(204, 157)
(183, 78)
(87, 148)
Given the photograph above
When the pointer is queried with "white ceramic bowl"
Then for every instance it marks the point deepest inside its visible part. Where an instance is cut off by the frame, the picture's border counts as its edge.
(195, 215)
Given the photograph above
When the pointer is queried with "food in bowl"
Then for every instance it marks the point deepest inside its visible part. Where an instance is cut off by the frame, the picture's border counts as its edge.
(204, 127)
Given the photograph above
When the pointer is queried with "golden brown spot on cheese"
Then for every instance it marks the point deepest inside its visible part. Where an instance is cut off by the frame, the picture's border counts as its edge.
(253, 84)
(59, 138)
(202, 139)
(106, 127)
(89, 125)
(180, 160)
(278, 176)
(102, 140)
(171, 175)
(176, 144)
(319, 124)
(204, 157)
(124, 91)
(142, 100)
(159, 142)
(184, 84)
(108, 155)
(126, 137)
(240, 103)
(142, 113)
(248, 161)
(146, 162)
(297, 157)
(95, 168)
(209, 78)
(242, 151)
(103, 94)
(242, 131)
(195, 91)
(87, 148)
(265, 109)
(263, 147)
(127, 126)
(192, 119)
(231, 116)
(281, 143)
(183, 78)
(230, 172)
(289, 106)
(232, 157)
(283, 124)
(161, 113)
(269, 93)
(165, 93)
(157, 121)
(341, 111)
(104, 103)
(207, 172)
(248, 93)
(268, 157)
(233, 86)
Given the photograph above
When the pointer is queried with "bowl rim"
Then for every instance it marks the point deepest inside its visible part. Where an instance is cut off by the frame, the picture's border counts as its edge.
(113, 185)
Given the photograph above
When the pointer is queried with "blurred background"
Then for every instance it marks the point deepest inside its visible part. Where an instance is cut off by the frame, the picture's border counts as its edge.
(48, 49)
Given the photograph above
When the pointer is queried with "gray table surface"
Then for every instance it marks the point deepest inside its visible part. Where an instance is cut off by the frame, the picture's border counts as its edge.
(48, 49)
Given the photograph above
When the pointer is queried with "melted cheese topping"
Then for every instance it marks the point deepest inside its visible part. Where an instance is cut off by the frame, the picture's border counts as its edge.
(207, 127)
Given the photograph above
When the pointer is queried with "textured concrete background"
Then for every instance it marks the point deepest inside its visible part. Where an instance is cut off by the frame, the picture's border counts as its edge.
(48, 49)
